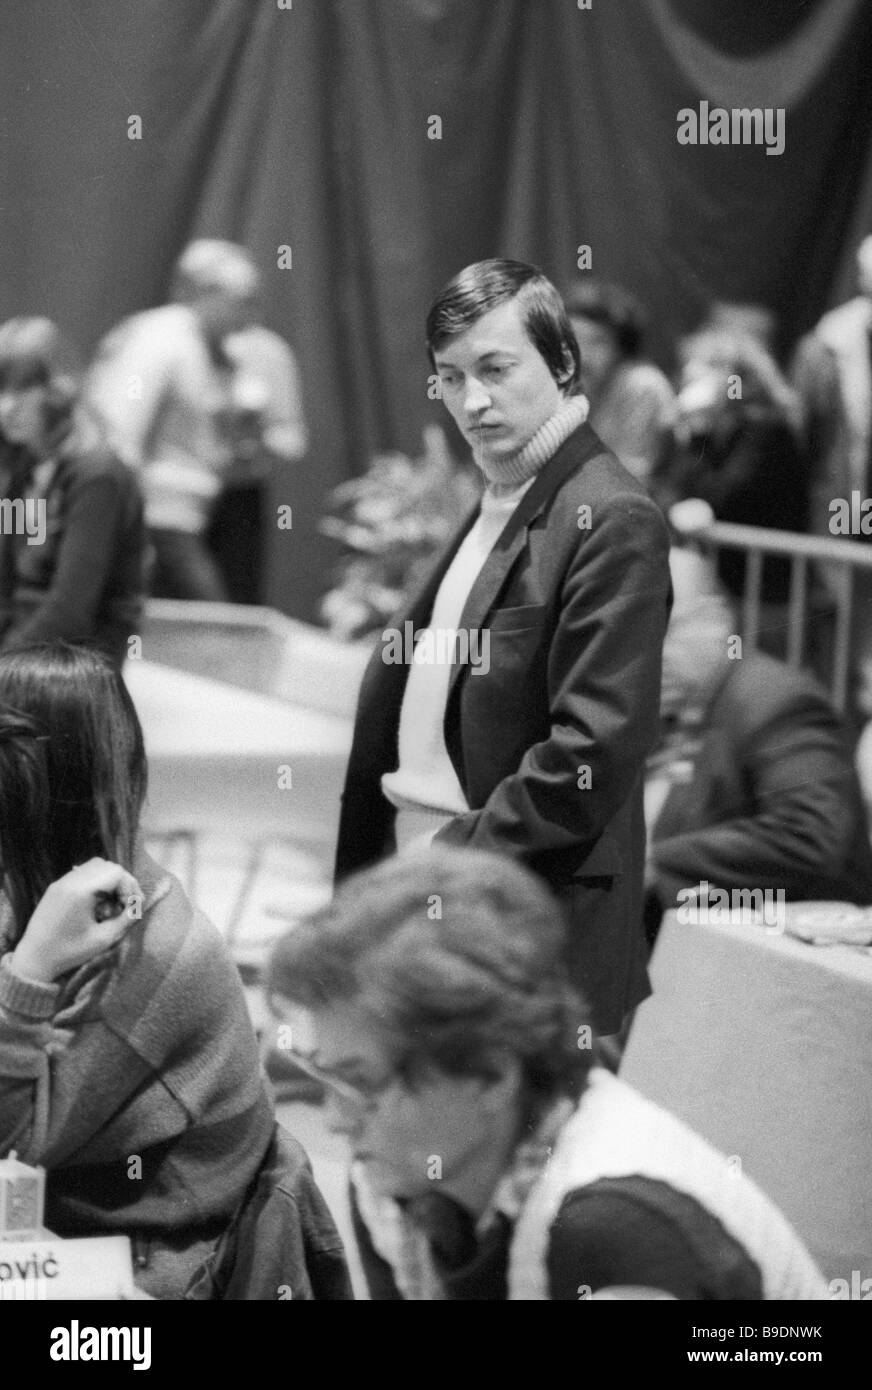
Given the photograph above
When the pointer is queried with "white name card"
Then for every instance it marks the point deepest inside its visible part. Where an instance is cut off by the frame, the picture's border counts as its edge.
(98, 1267)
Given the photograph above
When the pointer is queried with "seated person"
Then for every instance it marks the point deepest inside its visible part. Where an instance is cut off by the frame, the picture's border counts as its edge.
(75, 572)
(491, 1159)
(631, 401)
(753, 785)
(128, 1065)
(736, 446)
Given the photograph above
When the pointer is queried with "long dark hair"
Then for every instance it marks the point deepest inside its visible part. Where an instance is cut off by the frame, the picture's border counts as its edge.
(72, 768)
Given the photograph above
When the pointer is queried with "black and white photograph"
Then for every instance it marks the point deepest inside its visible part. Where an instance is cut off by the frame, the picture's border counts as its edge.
(435, 670)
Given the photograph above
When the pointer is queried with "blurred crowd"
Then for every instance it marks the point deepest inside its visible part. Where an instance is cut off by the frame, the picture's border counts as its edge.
(755, 774)
(126, 462)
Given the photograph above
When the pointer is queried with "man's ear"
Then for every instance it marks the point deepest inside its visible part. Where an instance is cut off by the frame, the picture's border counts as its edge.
(565, 376)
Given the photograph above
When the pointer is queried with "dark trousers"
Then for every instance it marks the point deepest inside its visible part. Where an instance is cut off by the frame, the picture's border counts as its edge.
(184, 568)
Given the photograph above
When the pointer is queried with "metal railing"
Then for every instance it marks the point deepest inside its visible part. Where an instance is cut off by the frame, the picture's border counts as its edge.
(839, 560)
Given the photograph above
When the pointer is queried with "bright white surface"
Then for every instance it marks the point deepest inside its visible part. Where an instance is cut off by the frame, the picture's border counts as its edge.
(220, 759)
(184, 715)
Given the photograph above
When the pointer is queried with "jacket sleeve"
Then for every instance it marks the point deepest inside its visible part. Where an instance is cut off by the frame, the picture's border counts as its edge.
(803, 821)
(282, 1245)
(86, 555)
(603, 681)
(27, 1034)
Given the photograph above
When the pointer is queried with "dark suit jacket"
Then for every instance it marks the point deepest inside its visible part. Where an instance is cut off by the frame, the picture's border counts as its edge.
(576, 617)
(86, 581)
(282, 1244)
(774, 801)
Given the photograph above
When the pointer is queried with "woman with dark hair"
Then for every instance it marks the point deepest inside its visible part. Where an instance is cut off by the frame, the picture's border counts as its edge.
(72, 537)
(492, 1159)
(128, 1065)
(631, 401)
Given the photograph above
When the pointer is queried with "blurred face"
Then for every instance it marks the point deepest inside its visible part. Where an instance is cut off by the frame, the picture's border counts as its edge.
(222, 312)
(496, 384)
(443, 1129)
(599, 351)
(22, 413)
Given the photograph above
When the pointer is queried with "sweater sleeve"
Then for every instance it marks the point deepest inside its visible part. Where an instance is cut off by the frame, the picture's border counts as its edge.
(70, 606)
(27, 1034)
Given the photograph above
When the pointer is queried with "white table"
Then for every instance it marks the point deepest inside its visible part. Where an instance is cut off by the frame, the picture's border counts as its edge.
(763, 1044)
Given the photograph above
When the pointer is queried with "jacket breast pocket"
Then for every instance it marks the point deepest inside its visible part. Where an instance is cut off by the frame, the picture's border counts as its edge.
(528, 615)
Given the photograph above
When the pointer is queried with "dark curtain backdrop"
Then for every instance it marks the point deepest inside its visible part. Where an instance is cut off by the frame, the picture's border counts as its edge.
(308, 127)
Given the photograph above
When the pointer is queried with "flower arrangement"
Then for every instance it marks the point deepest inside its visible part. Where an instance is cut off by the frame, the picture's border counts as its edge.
(392, 521)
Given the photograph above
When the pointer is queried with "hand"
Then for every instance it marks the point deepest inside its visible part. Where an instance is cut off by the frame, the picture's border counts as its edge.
(693, 514)
(65, 930)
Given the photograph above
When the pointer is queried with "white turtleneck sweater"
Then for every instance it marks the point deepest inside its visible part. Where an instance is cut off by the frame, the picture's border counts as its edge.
(424, 787)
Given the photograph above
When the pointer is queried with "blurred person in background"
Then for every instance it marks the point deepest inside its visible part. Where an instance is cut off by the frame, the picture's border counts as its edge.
(832, 374)
(124, 1030)
(189, 390)
(631, 401)
(490, 1159)
(79, 575)
(753, 785)
(735, 446)
(817, 411)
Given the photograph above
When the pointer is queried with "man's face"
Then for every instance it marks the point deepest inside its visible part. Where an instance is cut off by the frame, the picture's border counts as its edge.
(496, 384)
(22, 413)
(406, 1137)
(222, 312)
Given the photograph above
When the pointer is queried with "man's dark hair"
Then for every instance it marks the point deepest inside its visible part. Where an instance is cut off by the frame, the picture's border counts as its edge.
(614, 308)
(457, 956)
(487, 284)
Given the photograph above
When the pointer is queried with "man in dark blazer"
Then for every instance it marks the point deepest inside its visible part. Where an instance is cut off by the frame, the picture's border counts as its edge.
(766, 796)
(562, 574)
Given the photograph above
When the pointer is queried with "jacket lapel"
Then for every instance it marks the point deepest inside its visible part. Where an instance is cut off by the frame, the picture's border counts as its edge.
(581, 445)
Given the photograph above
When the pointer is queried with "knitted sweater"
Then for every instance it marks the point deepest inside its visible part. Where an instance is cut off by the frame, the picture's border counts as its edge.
(145, 1052)
(616, 1132)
